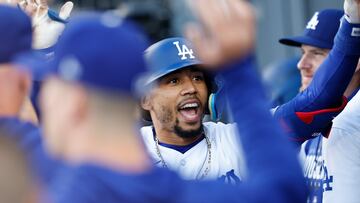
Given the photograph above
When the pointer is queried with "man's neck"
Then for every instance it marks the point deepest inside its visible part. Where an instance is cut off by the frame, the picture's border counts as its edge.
(127, 157)
(353, 85)
(120, 152)
(170, 137)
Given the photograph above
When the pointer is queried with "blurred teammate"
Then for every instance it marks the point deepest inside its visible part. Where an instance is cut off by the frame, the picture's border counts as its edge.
(47, 26)
(315, 45)
(16, 38)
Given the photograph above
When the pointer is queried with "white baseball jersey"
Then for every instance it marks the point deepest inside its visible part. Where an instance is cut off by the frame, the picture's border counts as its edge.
(342, 155)
(332, 165)
(227, 162)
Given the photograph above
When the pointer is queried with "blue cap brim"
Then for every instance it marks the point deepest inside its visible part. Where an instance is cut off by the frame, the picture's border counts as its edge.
(161, 73)
(299, 40)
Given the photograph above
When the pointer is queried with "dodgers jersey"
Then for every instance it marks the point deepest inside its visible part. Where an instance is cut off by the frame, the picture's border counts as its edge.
(332, 165)
(327, 160)
(342, 155)
(227, 162)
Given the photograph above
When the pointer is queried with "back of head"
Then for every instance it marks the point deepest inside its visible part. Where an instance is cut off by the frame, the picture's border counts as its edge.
(103, 54)
(15, 32)
(320, 31)
(100, 51)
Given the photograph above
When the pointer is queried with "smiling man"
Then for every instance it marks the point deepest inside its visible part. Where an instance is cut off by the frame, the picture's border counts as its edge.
(315, 43)
(178, 100)
(311, 59)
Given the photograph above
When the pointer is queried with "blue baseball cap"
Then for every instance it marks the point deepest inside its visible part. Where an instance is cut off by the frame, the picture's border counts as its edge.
(15, 33)
(169, 55)
(101, 51)
(320, 31)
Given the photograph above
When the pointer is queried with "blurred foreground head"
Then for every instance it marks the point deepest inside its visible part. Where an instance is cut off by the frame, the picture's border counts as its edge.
(15, 33)
(90, 85)
(15, 38)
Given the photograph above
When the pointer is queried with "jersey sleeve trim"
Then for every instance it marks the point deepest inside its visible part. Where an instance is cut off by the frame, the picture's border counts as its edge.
(308, 117)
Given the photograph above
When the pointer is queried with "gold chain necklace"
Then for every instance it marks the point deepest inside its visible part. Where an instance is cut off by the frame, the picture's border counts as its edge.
(208, 167)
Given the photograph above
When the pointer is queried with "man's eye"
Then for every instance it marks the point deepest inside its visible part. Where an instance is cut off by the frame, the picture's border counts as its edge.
(173, 81)
(198, 78)
(319, 53)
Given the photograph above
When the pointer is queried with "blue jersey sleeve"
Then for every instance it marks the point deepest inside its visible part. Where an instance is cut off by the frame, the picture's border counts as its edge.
(312, 110)
(28, 138)
(267, 151)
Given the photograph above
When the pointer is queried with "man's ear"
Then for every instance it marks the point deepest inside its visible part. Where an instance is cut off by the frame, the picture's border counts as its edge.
(80, 103)
(145, 103)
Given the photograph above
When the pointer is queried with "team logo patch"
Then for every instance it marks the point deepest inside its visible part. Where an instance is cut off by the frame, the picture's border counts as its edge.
(70, 68)
(184, 51)
(355, 32)
(314, 21)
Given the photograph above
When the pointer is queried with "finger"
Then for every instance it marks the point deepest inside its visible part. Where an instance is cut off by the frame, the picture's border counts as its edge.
(205, 47)
(66, 9)
(30, 7)
(209, 13)
(9, 2)
(15, 2)
(30, 2)
(43, 3)
(22, 4)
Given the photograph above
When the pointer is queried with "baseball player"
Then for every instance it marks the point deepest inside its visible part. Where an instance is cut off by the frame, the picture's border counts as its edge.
(180, 141)
(16, 39)
(83, 134)
(176, 104)
(47, 26)
(315, 45)
(340, 155)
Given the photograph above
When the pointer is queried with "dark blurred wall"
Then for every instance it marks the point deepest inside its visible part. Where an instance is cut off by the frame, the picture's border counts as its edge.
(276, 19)
(280, 18)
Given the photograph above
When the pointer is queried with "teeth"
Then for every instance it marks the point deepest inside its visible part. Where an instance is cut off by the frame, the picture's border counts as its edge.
(190, 105)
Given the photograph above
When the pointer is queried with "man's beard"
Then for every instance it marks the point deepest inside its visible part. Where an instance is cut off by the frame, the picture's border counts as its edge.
(187, 133)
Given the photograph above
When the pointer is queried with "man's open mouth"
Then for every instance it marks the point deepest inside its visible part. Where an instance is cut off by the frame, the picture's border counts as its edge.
(190, 111)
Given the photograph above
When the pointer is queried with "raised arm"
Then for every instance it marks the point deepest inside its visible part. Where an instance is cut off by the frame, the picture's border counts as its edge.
(266, 149)
(312, 110)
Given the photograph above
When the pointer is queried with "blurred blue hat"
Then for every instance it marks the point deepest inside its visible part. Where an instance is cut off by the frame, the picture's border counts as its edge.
(15, 32)
(97, 50)
(320, 31)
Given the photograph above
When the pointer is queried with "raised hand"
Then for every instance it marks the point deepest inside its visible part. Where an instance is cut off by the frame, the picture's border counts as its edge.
(352, 10)
(227, 30)
(46, 30)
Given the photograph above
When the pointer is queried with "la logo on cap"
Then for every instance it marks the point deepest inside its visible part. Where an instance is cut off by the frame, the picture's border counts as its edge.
(313, 22)
(183, 51)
